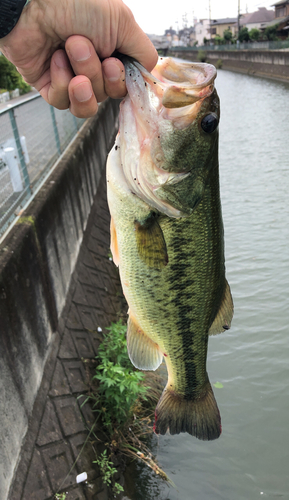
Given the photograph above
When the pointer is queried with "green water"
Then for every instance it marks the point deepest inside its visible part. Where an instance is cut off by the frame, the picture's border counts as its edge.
(251, 458)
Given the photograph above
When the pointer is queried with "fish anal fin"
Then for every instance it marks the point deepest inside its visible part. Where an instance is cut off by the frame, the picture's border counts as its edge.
(225, 313)
(199, 417)
(113, 243)
(143, 352)
(151, 244)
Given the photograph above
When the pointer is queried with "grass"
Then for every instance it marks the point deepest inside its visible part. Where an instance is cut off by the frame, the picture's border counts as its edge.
(125, 400)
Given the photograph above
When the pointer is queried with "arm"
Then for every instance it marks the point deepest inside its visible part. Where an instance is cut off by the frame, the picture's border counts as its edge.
(63, 49)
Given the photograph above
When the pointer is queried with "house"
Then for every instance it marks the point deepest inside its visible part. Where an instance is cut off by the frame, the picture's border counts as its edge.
(202, 30)
(187, 36)
(218, 26)
(281, 18)
(259, 19)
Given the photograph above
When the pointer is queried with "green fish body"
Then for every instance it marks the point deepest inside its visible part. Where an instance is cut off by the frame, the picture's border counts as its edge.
(167, 235)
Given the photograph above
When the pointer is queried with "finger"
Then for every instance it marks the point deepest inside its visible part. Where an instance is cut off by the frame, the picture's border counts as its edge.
(61, 74)
(114, 78)
(134, 42)
(53, 84)
(83, 103)
(85, 61)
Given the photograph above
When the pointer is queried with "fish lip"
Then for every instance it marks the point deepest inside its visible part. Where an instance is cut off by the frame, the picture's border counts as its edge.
(178, 93)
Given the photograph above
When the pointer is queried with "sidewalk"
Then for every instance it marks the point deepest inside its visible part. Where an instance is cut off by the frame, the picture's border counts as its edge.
(58, 426)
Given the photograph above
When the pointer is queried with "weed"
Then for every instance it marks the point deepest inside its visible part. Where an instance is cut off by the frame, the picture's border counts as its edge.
(107, 471)
(202, 56)
(125, 399)
(60, 496)
(219, 64)
(119, 384)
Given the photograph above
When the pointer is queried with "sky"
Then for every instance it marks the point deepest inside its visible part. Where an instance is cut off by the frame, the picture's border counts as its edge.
(154, 16)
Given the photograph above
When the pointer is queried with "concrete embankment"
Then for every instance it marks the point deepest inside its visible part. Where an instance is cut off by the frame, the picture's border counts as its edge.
(266, 63)
(37, 260)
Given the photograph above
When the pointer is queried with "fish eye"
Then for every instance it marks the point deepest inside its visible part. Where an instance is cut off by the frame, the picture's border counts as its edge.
(209, 123)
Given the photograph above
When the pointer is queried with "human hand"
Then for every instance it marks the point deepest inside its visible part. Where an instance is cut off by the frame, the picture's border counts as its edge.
(63, 49)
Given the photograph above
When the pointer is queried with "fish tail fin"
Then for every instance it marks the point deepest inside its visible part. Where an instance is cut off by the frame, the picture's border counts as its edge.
(199, 417)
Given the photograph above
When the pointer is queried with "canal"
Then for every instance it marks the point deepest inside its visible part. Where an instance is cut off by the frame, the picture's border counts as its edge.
(251, 458)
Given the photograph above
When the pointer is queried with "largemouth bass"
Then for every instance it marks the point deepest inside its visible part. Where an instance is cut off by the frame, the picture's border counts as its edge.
(167, 234)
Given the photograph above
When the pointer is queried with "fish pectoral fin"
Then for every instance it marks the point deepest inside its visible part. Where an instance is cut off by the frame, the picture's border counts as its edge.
(113, 243)
(225, 313)
(151, 244)
(143, 352)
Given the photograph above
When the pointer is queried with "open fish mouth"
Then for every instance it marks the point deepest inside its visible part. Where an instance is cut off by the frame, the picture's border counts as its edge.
(158, 103)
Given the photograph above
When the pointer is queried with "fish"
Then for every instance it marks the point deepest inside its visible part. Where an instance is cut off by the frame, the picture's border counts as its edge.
(167, 234)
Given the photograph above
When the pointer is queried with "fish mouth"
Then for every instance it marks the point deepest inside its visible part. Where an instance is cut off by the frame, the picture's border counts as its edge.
(158, 103)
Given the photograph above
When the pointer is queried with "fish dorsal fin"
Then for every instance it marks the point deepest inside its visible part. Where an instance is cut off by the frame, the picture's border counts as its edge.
(225, 313)
(151, 244)
(113, 243)
(143, 352)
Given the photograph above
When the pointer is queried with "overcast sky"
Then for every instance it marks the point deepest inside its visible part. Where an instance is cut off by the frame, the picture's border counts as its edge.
(154, 16)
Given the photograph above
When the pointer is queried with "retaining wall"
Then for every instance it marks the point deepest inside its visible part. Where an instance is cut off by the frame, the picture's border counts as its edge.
(37, 259)
(271, 64)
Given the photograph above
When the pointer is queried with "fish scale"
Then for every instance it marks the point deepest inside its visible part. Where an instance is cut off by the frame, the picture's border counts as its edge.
(169, 244)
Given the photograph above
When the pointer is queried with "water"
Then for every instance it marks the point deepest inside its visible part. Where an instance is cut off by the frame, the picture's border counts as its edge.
(251, 458)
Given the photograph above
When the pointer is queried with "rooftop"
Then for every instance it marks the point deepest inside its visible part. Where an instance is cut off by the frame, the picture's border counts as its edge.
(226, 20)
(262, 15)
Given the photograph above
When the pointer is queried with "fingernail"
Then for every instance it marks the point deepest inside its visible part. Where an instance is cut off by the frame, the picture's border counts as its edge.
(111, 71)
(80, 52)
(60, 60)
(82, 92)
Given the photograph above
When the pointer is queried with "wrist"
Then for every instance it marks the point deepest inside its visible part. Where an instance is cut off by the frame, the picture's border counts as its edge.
(10, 12)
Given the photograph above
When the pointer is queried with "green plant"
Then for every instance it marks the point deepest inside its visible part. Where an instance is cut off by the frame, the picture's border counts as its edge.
(219, 63)
(107, 471)
(228, 35)
(60, 496)
(10, 79)
(119, 384)
(202, 56)
(270, 32)
(244, 35)
(255, 34)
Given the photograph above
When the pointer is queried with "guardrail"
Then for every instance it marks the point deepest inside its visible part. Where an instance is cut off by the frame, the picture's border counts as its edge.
(33, 135)
(277, 45)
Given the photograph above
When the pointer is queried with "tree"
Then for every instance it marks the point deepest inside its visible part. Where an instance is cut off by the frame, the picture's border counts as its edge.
(255, 34)
(243, 35)
(218, 40)
(271, 32)
(10, 79)
(228, 35)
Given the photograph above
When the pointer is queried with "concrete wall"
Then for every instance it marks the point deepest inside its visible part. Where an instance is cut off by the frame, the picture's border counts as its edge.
(270, 64)
(36, 262)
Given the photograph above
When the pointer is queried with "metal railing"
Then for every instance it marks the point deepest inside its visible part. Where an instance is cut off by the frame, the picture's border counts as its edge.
(33, 135)
(277, 45)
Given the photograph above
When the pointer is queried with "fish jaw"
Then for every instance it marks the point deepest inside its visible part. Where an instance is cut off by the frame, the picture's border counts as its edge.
(157, 118)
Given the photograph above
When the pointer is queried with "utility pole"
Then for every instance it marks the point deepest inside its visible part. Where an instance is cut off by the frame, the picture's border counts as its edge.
(238, 17)
(210, 19)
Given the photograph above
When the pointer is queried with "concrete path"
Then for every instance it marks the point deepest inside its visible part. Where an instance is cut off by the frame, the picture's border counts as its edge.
(58, 426)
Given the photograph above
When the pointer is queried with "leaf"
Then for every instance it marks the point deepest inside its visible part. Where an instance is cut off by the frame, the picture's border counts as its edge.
(218, 385)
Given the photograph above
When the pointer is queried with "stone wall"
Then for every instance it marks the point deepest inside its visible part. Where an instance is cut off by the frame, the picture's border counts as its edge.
(37, 260)
(266, 63)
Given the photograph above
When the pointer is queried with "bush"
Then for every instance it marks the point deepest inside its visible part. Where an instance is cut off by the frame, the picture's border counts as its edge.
(244, 35)
(10, 79)
(255, 34)
(270, 33)
(202, 56)
(219, 63)
(119, 383)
